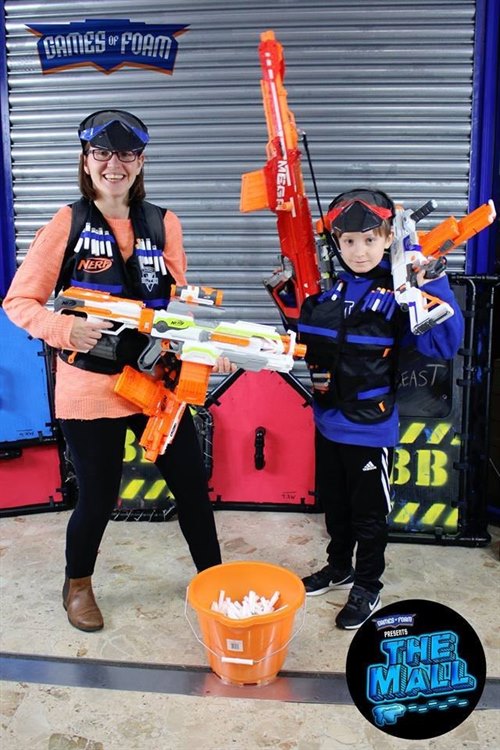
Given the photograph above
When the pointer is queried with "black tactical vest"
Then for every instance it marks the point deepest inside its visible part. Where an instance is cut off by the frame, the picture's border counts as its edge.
(354, 357)
(93, 260)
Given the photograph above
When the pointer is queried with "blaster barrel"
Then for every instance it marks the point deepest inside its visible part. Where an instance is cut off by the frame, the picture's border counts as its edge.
(279, 186)
(452, 232)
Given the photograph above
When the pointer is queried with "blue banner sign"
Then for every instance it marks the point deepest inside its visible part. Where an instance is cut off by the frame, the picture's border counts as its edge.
(107, 45)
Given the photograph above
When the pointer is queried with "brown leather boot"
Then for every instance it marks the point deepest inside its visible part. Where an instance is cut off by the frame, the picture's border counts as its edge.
(79, 603)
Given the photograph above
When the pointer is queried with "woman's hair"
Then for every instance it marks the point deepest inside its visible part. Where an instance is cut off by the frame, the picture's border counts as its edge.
(136, 193)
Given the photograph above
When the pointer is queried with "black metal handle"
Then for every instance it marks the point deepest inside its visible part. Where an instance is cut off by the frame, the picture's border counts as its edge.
(259, 459)
(424, 210)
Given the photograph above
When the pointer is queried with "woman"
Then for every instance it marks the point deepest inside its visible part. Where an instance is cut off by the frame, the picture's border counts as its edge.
(130, 248)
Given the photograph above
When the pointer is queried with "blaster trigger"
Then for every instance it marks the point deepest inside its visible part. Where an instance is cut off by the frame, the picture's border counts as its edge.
(150, 356)
(435, 268)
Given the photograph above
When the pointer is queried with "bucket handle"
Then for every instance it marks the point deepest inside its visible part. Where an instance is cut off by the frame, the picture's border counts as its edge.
(239, 659)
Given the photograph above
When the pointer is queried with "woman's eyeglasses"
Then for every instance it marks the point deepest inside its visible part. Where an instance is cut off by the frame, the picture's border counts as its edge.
(103, 154)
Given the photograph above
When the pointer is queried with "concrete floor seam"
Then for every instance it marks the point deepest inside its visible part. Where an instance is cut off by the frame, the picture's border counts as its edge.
(296, 687)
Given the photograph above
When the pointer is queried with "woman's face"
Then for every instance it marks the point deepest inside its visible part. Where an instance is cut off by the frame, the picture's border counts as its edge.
(112, 179)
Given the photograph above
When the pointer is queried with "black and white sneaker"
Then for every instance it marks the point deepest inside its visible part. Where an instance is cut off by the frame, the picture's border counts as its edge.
(360, 606)
(326, 579)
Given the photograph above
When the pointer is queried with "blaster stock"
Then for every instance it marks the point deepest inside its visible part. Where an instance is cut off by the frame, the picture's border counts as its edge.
(279, 186)
(196, 348)
(409, 252)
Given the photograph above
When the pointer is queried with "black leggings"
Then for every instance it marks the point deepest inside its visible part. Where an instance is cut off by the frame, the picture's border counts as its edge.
(97, 447)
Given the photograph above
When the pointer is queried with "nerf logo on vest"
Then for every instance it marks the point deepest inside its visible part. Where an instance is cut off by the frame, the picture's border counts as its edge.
(95, 265)
(107, 45)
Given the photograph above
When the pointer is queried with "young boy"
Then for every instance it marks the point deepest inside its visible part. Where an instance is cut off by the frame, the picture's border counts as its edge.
(353, 333)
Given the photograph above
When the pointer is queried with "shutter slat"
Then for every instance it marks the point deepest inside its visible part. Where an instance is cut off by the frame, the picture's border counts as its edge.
(383, 90)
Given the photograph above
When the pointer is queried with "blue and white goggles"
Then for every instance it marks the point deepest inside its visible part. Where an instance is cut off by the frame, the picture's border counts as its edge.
(114, 130)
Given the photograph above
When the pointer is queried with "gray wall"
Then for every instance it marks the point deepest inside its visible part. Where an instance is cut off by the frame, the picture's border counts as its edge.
(382, 89)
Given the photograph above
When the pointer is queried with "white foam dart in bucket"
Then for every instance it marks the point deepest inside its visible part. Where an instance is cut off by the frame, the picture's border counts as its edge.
(250, 650)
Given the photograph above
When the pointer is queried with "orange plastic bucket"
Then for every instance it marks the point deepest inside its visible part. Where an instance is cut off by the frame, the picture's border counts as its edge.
(250, 651)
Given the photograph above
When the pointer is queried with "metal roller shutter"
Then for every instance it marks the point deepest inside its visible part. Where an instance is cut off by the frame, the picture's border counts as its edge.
(383, 90)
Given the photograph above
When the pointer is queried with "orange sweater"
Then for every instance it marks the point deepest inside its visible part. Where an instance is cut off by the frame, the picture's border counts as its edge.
(79, 394)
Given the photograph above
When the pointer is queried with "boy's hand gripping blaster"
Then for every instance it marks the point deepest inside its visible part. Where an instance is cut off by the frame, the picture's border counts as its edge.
(411, 250)
(279, 186)
(196, 347)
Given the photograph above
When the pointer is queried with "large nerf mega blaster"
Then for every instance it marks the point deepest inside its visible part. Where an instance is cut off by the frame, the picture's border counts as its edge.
(410, 250)
(194, 348)
(279, 186)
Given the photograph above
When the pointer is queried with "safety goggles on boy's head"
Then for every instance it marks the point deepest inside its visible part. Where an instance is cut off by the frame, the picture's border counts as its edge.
(113, 130)
(359, 210)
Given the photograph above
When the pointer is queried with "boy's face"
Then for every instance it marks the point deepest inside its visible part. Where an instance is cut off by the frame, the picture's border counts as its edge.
(363, 251)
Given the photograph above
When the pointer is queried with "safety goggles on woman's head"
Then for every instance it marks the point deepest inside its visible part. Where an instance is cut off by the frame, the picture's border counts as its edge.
(113, 130)
(359, 210)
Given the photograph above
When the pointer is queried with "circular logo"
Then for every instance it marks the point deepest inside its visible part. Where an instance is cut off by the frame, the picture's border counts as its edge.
(416, 669)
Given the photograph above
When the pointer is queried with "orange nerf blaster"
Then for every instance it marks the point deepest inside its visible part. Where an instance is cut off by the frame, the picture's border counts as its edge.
(452, 232)
(193, 347)
(410, 250)
(279, 186)
(164, 406)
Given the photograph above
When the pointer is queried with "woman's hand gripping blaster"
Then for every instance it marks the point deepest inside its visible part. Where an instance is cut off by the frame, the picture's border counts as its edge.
(197, 347)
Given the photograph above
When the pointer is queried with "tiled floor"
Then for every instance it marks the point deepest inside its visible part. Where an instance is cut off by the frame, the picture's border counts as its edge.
(140, 582)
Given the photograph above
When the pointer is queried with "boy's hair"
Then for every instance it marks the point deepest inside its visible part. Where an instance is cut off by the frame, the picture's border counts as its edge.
(361, 210)
(137, 191)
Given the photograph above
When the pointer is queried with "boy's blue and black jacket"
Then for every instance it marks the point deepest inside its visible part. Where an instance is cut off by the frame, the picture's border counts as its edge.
(353, 353)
